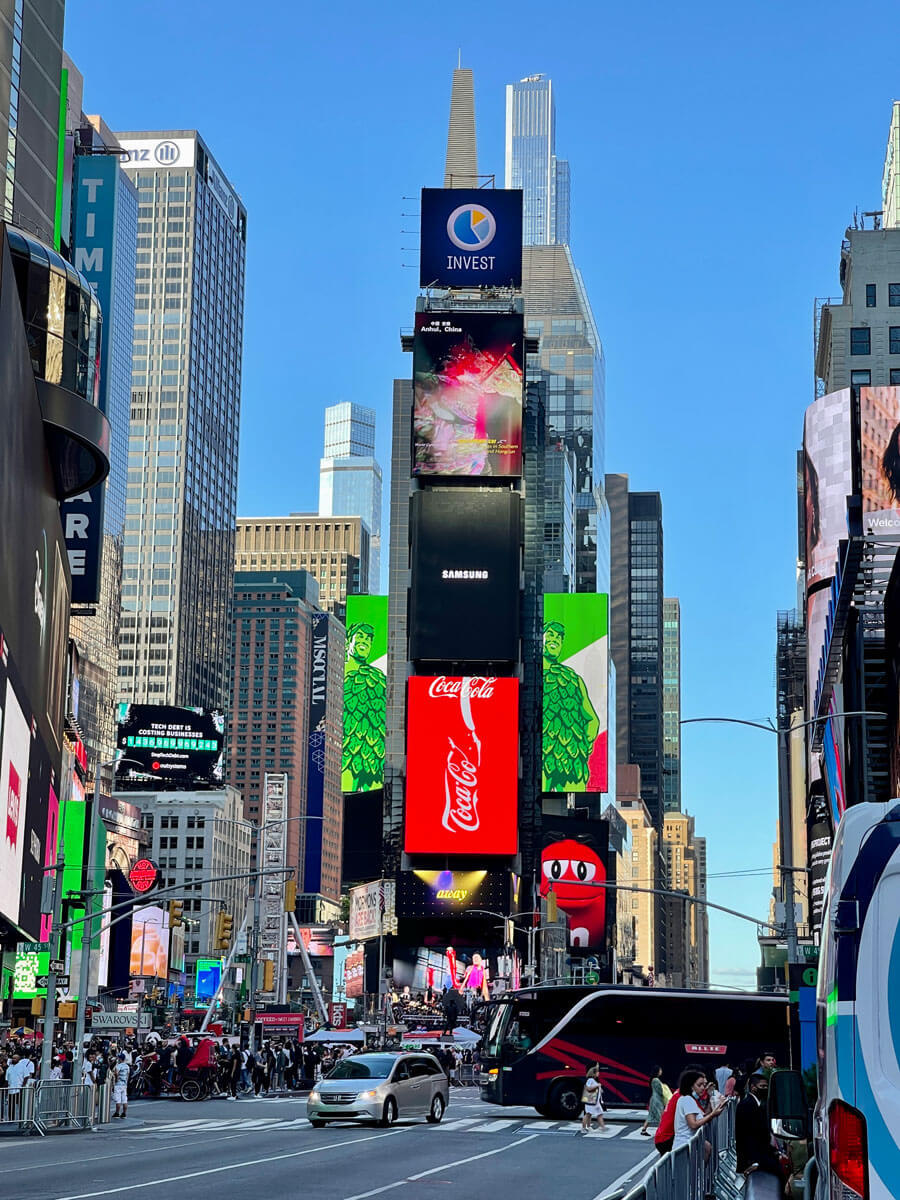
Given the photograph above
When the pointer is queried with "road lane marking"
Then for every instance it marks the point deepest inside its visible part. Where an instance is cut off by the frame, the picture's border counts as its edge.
(253, 1162)
(434, 1170)
(626, 1175)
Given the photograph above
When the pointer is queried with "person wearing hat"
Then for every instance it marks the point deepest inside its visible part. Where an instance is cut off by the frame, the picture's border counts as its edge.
(120, 1087)
(753, 1141)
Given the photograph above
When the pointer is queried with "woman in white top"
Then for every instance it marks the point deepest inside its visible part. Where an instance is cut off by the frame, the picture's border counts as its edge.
(689, 1116)
(592, 1098)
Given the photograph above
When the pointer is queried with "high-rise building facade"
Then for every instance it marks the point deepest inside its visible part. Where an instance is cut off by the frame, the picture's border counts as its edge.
(100, 232)
(30, 76)
(185, 408)
(685, 863)
(671, 705)
(334, 550)
(641, 870)
(287, 664)
(532, 163)
(350, 482)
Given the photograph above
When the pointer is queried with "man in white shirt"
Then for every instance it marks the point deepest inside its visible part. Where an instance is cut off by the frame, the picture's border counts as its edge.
(18, 1073)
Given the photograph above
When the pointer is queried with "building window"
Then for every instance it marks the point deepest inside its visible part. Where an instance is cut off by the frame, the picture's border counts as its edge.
(895, 375)
(894, 295)
(860, 378)
(861, 340)
(894, 344)
(871, 294)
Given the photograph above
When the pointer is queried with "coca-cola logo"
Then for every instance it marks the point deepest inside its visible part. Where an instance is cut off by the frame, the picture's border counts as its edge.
(460, 791)
(481, 688)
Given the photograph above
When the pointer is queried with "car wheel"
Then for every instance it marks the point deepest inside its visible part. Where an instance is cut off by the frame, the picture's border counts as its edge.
(437, 1110)
(565, 1101)
(191, 1090)
(389, 1112)
(317, 1124)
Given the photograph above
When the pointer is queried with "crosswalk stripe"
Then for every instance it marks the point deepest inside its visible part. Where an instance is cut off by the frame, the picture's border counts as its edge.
(542, 1124)
(492, 1127)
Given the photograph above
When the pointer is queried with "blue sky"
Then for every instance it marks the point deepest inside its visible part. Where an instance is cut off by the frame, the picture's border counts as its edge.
(718, 153)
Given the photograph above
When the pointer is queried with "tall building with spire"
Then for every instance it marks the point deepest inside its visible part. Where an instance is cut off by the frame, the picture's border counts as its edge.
(532, 163)
(461, 169)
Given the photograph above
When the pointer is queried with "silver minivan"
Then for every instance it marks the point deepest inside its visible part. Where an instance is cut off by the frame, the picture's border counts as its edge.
(380, 1087)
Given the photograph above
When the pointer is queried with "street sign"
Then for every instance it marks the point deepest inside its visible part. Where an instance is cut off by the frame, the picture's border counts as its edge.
(57, 965)
(33, 947)
(42, 981)
(114, 1020)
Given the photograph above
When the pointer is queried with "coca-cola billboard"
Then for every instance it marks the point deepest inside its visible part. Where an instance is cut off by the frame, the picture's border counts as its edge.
(462, 765)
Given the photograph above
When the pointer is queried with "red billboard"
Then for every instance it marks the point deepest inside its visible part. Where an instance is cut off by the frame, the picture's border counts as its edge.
(462, 754)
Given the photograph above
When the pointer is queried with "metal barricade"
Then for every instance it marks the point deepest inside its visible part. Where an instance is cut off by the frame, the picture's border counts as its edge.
(16, 1109)
(687, 1173)
(467, 1075)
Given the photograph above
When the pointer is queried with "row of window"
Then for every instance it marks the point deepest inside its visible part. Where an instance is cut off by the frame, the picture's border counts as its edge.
(864, 378)
(861, 339)
(893, 295)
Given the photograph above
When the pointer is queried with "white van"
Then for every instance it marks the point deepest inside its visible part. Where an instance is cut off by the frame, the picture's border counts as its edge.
(856, 1125)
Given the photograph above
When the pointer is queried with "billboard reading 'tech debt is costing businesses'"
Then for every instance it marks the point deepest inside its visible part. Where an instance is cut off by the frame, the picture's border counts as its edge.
(461, 765)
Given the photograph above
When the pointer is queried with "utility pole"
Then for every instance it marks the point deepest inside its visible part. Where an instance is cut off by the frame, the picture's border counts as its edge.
(87, 932)
(786, 824)
(50, 1004)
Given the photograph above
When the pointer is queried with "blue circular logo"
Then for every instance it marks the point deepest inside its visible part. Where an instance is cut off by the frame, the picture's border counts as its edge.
(166, 153)
(471, 227)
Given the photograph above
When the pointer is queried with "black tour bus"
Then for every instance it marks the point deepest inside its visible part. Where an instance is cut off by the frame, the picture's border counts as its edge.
(539, 1042)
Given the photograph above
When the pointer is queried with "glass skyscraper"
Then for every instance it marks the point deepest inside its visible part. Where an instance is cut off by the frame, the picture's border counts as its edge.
(532, 164)
(350, 480)
(181, 495)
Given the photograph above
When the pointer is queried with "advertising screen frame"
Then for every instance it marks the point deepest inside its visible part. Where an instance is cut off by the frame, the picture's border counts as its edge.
(575, 854)
(828, 479)
(142, 734)
(879, 466)
(468, 394)
(471, 237)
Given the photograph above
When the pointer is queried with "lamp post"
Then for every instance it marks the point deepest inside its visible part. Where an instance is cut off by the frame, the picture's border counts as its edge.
(531, 966)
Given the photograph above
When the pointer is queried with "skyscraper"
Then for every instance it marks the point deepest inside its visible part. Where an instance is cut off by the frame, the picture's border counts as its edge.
(671, 705)
(31, 34)
(532, 164)
(185, 406)
(350, 480)
(461, 167)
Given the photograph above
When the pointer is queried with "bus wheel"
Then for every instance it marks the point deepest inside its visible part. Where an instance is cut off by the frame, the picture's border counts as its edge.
(542, 1110)
(565, 1101)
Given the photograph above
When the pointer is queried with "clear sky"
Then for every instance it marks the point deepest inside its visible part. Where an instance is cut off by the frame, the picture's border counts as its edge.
(718, 153)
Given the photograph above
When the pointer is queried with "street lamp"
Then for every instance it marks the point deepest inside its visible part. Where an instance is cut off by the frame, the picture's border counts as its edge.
(531, 966)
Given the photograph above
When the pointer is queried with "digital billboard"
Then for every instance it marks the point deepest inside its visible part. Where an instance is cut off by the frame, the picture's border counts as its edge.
(465, 564)
(462, 747)
(365, 693)
(468, 377)
(316, 749)
(354, 974)
(471, 237)
(879, 436)
(207, 977)
(449, 893)
(150, 942)
(174, 747)
(576, 679)
(573, 863)
(372, 907)
(819, 844)
(827, 481)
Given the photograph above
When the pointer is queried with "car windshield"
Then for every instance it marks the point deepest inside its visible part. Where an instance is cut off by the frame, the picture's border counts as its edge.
(376, 1067)
(496, 1029)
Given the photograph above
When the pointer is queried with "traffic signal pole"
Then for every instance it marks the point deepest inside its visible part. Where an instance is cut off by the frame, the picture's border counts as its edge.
(229, 960)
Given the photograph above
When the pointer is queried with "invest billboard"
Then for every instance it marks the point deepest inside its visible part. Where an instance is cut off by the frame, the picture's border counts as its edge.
(575, 705)
(462, 746)
(827, 481)
(176, 747)
(574, 866)
(365, 693)
(471, 237)
(465, 560)
(468, 377)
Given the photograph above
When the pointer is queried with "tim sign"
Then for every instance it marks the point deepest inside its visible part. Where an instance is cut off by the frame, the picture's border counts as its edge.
(462, 765)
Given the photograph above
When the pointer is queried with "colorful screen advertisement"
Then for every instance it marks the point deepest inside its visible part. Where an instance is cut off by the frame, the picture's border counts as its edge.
(879, 434)
(574, 864)
(365, 693)
(471, 237)
(150, 942)
(354, 974)
(468, 376)
(827, 481)
(176, 747)
(576, 678)
(449, 893)
(462, 765)
(207, 977)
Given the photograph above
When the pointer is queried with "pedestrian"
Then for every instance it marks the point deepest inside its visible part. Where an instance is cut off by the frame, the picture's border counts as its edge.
(660, 1095)
(689, 1116)
(753, 1140)
(238, 1070)
(19, 1072)
(120, 1086)
(89, 1069)
(592, 1099)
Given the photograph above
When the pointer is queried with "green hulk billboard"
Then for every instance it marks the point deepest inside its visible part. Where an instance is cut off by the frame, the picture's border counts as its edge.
(365, 690)
(576, 675)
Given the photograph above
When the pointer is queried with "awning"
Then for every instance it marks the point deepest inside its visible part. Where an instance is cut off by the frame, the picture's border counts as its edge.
(337, 1036)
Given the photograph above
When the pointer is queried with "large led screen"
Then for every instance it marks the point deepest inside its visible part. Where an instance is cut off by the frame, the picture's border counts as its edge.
(574, 866)
(471, 237)
(462, 746)
(449, 893)
(174, 747)
(150, 942)
(468, 375)
(576, 678)
(464, 599)
(827, 481)
(365, 693)
(879, 436)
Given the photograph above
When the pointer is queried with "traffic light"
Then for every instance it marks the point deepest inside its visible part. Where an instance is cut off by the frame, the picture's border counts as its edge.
(37, 1006)
(268, 984)
(290, 895)
(176, 913)
(552, 913)
(227, 931)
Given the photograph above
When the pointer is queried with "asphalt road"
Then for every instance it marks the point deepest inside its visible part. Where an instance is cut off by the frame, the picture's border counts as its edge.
(265, 1149)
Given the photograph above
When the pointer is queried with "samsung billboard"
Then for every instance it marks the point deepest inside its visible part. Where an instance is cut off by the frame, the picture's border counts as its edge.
(471, 237)
(465, 560)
